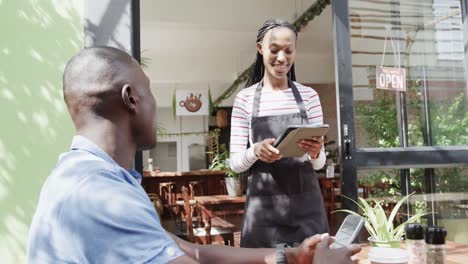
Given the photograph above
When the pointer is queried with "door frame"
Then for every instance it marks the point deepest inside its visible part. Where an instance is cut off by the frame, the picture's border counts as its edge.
(136, 53)
(403, 157)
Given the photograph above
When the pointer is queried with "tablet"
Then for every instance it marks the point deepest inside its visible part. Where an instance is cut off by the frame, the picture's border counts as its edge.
(287, 142)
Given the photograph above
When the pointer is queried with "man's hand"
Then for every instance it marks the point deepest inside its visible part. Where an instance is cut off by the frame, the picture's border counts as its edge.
(326, 255)
(305, 251)
(312, 146)
(265, 151)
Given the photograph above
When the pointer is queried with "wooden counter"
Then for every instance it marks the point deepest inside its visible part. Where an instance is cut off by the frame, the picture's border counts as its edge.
(456, 253)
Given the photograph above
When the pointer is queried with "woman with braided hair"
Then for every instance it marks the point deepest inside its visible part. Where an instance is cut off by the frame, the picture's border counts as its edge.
(284, 202)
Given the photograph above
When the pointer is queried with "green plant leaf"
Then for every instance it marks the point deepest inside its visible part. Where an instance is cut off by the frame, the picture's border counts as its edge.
(369, 213)
(370, 229)
(346, 211)
(360, 207)
(376, 222)
(399, 230)
(219, 162)
(210, 101)
(383, 230)
(396, 209)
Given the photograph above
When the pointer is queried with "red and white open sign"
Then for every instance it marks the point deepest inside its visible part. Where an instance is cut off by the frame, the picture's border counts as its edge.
(390, 78)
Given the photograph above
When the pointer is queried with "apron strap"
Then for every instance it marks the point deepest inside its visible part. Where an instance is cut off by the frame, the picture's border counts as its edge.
(297, 96)
(256, 102)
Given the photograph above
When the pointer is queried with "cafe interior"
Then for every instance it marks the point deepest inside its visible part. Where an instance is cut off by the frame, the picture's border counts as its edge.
(197, 58)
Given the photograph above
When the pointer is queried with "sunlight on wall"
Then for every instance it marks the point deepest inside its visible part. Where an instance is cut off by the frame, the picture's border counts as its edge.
(38, 37)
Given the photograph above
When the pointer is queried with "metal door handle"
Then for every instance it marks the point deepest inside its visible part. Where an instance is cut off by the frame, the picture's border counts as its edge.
(347, 152)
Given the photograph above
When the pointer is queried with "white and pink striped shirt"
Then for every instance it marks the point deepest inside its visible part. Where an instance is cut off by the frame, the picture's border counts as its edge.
(272, 102)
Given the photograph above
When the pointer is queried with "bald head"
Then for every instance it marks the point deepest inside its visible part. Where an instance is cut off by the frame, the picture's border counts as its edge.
(110, 102)
(94, 77)
(108, 95)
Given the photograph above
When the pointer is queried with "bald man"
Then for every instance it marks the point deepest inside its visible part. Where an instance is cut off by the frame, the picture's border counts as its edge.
(92, 208)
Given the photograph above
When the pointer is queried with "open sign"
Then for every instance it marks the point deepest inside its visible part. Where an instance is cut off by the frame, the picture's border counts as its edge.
(390, 78)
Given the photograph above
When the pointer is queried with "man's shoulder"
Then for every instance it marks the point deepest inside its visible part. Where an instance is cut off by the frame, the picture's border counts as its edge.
(83, 164)
(79, 174)
(103, 194)
(95, 178)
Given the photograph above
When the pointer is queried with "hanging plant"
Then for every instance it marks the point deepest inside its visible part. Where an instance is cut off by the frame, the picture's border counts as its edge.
(174, 104)
(210, 101)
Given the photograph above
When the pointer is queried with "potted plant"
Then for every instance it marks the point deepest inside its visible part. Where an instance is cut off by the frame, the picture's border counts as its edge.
(380, 227)
(234, 184)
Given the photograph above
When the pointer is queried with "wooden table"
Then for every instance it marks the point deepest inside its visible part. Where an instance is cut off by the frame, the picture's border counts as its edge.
(217, 205)
(457, 253)
(210, 181)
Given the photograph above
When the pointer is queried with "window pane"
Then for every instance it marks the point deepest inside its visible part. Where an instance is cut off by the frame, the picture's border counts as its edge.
(449, 203)
(426, 39)
(448, 206)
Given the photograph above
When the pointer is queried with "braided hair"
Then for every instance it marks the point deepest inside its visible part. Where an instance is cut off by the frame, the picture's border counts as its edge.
(258, 69)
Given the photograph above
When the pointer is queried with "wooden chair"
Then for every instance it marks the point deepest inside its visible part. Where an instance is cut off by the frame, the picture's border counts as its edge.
(157, 203)
(198, 234)
(181, 217)
(167, 191)
(330, 194)
(196, 188)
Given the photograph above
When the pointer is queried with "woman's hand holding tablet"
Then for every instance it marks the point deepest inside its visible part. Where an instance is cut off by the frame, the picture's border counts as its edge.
(290, 143)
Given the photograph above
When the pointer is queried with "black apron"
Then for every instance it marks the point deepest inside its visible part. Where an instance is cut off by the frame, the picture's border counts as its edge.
(284, 202)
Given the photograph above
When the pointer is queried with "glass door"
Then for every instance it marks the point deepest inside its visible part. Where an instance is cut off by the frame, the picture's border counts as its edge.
(401, 71)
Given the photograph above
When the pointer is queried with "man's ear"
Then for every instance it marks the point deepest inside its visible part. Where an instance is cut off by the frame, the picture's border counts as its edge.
(128, 97)
(259, 48)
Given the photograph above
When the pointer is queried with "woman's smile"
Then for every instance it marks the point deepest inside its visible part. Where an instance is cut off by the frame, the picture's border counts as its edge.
(281, 68)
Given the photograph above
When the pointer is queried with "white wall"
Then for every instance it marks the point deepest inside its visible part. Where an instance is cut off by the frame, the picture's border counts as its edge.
(181, 124)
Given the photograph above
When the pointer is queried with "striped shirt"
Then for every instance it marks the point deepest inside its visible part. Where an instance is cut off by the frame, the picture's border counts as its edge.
(272, 102)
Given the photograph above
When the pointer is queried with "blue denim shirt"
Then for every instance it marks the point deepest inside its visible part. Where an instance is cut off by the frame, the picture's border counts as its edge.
(91, 210)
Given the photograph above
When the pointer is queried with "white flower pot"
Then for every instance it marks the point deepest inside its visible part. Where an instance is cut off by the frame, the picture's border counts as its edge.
(380, 255)
(234, 186)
